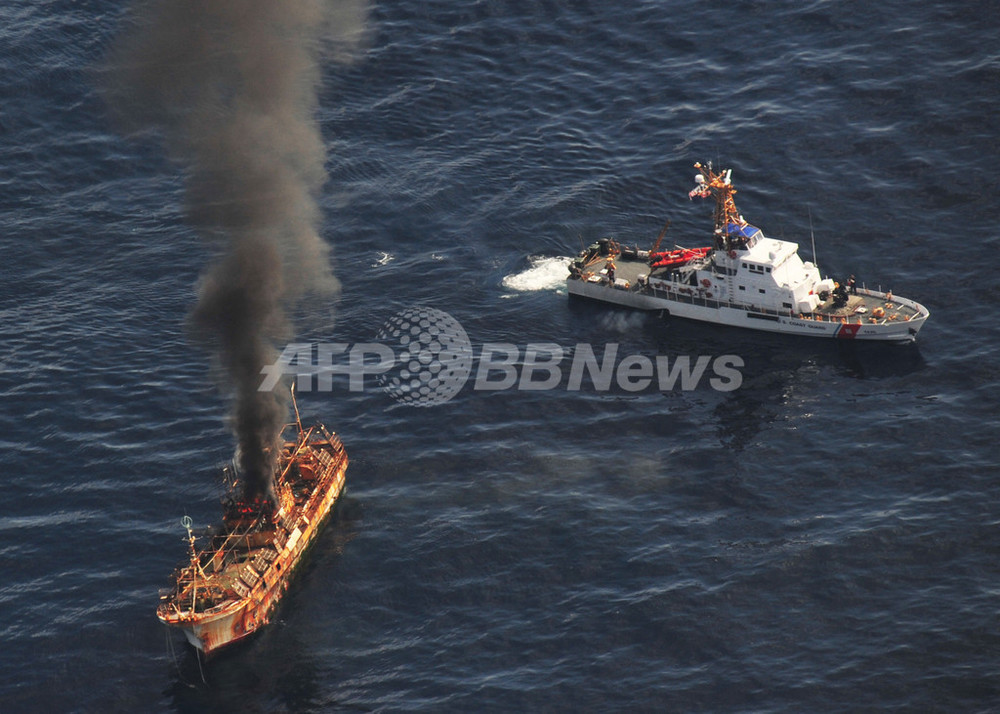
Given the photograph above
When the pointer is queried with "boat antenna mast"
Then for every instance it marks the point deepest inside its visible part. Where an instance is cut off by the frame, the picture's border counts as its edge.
(195, 566)
(812, 237)
(295, 406)
(727, 218)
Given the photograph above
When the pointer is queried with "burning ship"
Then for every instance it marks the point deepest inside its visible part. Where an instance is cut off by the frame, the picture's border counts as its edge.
(743, 279)
(236, 577)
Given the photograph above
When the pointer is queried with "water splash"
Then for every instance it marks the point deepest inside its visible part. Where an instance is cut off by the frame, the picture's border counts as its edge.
(543, 273)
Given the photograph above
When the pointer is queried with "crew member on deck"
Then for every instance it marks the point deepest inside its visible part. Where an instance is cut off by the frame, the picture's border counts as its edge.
(852, 285)
(610, 267)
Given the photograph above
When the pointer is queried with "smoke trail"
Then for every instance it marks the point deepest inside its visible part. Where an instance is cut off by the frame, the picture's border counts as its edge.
(232, 85)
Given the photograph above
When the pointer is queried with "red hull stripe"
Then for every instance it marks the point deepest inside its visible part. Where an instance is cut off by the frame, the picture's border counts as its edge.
(848, 331)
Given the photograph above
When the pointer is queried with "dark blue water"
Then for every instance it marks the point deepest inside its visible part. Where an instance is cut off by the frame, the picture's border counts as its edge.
(824, 538)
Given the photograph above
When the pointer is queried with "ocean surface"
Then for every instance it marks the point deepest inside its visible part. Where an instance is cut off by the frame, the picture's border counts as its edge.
(822, 538)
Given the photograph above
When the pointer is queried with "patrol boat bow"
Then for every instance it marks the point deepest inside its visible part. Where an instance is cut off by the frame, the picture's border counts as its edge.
(744, 279)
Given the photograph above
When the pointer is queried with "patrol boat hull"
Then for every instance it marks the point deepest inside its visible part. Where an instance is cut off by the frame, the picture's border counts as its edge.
(744, 279)
(902, 320)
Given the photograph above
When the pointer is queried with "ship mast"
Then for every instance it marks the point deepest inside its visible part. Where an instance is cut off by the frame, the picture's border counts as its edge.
(195, 567)
(719, 185)
(298, 420)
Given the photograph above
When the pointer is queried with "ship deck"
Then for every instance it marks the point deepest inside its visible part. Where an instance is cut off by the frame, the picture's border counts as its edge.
(227, 568)
(860, 306)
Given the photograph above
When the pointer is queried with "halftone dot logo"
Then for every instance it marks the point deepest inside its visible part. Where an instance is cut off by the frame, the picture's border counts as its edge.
(433, 356)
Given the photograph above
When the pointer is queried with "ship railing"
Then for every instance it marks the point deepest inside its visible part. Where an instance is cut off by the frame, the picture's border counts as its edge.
(215, 557)
(817, 316)
(823, 317)
(193, 578)
(920, 312)
(713, 303)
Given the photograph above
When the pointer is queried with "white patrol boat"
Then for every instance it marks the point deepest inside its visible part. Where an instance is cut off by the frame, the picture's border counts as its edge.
(744, 279)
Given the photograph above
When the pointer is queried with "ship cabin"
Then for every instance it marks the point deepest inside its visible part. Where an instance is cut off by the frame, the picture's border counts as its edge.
(763, 272)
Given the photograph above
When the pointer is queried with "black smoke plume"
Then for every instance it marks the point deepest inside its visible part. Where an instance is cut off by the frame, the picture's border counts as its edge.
(231, 85)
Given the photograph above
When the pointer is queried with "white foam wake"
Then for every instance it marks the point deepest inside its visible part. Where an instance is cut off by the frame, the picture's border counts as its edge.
(543, 273)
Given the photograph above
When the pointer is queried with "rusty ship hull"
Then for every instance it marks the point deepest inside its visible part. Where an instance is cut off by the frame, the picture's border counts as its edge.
(233, 582)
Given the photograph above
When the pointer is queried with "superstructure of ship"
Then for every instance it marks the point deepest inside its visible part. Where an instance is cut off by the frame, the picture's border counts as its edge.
(743, 279)
(238, 572)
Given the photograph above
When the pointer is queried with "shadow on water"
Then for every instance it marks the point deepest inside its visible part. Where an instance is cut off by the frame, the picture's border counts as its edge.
(275, 669)
(271, 672)
(870, 360)
(777, 368)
